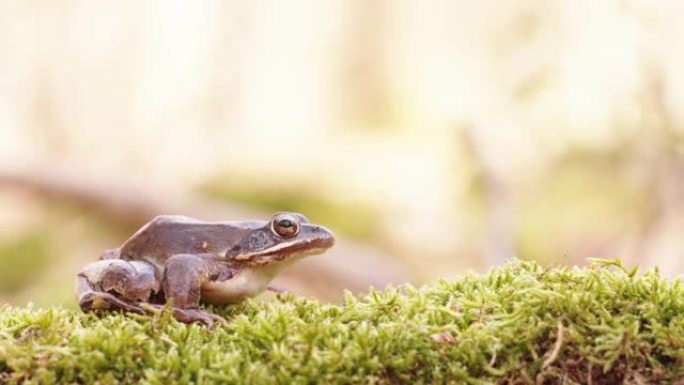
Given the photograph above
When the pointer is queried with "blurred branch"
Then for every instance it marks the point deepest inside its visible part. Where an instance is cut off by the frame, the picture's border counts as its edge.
(664, 173)
(498, 245)
(349, 265)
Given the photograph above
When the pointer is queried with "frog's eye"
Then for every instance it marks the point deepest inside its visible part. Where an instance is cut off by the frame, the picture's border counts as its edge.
(284, 224)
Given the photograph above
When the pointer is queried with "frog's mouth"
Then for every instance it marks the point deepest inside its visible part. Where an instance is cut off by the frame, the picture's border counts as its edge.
(294, 250)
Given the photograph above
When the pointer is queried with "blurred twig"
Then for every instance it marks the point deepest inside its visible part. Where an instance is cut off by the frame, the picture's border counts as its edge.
(662, 164)
(498, 243)
(349, 265)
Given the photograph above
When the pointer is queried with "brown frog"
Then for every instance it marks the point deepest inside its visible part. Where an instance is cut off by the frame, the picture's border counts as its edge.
(183, 261)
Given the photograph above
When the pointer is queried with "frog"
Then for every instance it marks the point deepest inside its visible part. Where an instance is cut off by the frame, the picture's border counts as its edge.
(181, 262)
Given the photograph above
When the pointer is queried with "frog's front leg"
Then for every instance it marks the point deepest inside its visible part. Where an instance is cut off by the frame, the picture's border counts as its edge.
(184, 276)
(115, 284)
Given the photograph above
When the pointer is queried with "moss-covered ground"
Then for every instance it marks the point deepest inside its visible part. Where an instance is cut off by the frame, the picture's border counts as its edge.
(521, 323)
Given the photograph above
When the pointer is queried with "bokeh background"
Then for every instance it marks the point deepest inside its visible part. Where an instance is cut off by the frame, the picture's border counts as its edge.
(433, 137)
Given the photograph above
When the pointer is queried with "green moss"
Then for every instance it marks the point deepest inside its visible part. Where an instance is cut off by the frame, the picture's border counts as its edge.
(518, 324)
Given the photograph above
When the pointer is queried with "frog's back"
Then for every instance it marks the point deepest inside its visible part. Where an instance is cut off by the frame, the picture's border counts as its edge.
(168, 235)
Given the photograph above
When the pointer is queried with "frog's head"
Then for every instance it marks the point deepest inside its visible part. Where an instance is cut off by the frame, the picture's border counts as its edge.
(287, 237)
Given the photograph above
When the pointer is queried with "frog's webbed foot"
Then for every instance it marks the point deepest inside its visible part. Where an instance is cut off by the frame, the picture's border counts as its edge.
(196, 315)
(191, 315)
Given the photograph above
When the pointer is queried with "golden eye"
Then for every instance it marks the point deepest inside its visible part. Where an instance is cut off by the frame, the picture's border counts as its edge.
(284, 224)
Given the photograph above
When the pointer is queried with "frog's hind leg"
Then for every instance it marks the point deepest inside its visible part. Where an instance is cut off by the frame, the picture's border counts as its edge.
(115, 284)
(90, 299)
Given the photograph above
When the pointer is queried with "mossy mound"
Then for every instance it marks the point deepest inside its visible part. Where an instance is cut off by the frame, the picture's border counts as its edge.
(521, 323)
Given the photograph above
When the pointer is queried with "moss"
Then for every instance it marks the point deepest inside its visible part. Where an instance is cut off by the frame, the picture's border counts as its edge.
(518, 324)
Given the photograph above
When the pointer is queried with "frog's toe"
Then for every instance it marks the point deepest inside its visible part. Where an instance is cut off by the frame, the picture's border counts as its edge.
(197, 315)
(99, 301)
(189, 315)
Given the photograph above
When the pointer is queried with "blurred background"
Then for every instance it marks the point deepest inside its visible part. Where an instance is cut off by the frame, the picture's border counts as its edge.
(433, 137)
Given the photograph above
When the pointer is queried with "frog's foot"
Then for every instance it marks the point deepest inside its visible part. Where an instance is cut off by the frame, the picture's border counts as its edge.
(197, 315)
(100, 301)
(191, 315)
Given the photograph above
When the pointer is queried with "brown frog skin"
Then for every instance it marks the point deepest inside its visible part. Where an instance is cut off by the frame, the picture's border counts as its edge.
(183, 261)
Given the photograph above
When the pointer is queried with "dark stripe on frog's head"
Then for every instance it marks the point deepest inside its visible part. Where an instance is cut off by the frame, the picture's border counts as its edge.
(272, 243)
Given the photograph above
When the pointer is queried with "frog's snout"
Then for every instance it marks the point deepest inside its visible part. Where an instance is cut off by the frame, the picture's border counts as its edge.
(324, 237)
